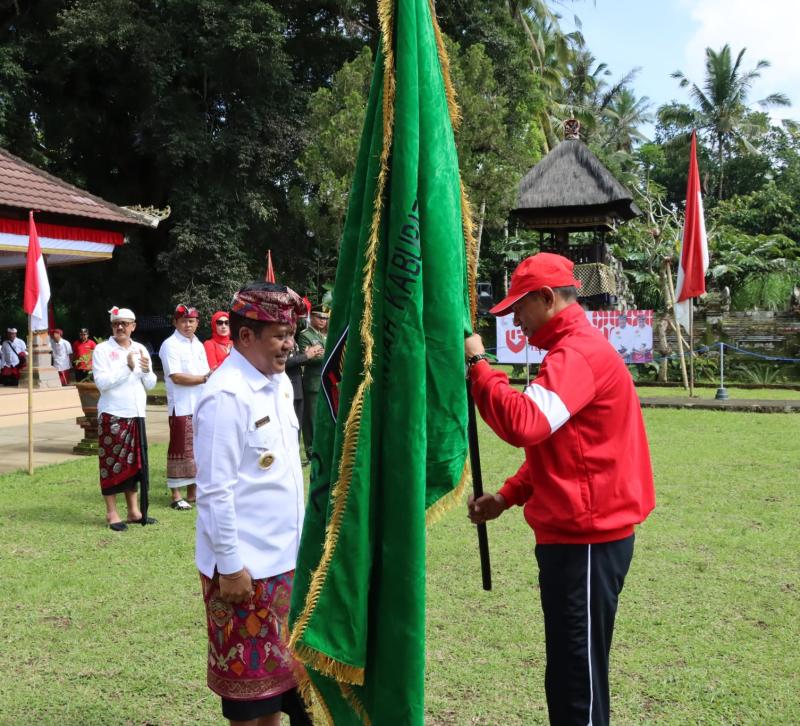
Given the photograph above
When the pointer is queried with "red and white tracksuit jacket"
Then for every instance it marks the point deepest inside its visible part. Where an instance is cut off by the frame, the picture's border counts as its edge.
(587, 476)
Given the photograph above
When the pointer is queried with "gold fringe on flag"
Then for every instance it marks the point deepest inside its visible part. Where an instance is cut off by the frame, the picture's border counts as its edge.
(352, 701)
(444, 62)
(312, 698)
(338, 498)
(438, 509)
(453, 498)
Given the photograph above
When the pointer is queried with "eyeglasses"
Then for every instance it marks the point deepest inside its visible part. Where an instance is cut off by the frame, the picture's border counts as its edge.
(223, 322)
(121, 324)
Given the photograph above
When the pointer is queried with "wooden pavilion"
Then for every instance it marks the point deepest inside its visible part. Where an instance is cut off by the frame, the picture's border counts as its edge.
(570, 191)
(74, 227)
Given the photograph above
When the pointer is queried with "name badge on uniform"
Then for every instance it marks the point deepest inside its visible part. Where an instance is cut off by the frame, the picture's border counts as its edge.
(262, 421)
(266, 460)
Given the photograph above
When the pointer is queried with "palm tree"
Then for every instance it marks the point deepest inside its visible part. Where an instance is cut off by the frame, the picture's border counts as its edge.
(624, 115)
(721, 106)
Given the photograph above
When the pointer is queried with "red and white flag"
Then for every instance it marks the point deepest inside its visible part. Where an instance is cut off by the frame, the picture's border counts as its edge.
(37, 286)
(270, 277)
(693, 261)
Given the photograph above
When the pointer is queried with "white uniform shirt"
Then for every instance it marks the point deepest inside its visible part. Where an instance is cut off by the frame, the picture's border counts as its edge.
(10, 349)
(249, 478)
(62, 354)
(180, 354)
(122, 390)
(642, 339)
(622, 338)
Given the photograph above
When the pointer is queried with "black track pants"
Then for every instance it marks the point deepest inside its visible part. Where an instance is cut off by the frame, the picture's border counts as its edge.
(580, 586)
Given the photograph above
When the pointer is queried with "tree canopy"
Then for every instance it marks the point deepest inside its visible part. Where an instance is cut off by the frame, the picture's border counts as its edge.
(244, 118)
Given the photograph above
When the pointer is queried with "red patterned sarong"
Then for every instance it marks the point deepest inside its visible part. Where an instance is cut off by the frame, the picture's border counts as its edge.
(180, 455)
(119, 450)
(248, 655)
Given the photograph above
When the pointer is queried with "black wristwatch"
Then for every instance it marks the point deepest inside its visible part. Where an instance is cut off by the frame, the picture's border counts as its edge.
(475, 358)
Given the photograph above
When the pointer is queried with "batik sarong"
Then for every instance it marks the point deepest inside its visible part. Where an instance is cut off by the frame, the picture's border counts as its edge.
(248, 656)
(180, 455)
(122, 453)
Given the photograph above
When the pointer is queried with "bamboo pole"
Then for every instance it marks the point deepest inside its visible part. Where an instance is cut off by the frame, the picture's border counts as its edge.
(691, 348)
(30, 395)
(677, 326)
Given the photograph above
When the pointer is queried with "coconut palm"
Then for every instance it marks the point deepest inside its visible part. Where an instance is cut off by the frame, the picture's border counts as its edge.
(721, 104)
(624, 115)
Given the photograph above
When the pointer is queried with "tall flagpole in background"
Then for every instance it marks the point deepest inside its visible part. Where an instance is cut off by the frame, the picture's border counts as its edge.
(693, 258)
(30, 394)
(37, 295)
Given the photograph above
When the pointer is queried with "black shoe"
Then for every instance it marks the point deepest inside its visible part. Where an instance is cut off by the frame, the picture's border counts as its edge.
(118, 526)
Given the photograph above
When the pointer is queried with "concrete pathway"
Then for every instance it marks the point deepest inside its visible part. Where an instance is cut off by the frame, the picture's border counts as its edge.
(53, 440)
(746, 405)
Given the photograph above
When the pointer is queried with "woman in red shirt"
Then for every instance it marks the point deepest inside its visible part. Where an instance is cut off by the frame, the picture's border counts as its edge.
(218, 348)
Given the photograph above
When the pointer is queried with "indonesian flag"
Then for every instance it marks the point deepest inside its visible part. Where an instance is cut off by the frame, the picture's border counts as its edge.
(270, 272)
(693, 263)
(37, 286)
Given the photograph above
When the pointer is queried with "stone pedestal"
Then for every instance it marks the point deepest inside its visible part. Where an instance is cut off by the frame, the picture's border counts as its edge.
(88, 444)
(89, 395)
(44, 375)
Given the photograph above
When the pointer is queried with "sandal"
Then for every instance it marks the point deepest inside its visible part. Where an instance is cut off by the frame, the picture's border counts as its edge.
(118, 526)
(181, 504)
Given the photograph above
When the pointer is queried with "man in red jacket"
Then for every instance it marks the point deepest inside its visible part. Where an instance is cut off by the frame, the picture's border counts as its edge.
(585, 482)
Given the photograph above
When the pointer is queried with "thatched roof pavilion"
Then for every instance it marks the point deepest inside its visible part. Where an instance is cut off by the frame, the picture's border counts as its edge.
(570, 190)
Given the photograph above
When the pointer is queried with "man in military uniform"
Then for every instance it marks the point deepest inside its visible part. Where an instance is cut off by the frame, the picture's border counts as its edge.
(314, 335)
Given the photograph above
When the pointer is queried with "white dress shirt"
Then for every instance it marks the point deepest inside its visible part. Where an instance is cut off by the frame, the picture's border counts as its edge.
(180, 354)
(249, 479)
(62, 354)
(622, 338)
(10, 349)
(122, 390)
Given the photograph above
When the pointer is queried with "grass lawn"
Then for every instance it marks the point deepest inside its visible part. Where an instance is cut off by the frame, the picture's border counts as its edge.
(105, 628)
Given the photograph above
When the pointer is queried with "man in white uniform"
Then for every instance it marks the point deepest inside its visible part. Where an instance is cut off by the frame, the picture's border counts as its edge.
(621, 338)
(62, 355)
(185, 371)
(124, 373)
(13, 354)
(250, 509)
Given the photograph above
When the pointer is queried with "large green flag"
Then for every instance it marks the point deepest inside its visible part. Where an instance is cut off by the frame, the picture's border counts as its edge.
(390, 440)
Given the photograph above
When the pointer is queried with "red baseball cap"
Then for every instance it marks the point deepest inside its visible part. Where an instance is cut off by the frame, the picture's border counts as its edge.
(534, 273)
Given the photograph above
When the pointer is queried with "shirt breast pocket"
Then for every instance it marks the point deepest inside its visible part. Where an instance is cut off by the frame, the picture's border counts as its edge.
(264, 438)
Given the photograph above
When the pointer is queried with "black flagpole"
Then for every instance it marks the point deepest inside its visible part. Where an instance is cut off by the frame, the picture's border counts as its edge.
(477, 489)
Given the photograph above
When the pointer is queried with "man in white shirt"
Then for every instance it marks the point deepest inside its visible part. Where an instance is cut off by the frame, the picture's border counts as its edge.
(62, 355)
(123, 372)
(621, 338)
(13, 354)
(250, 509)
(642, 340)
(185, 371)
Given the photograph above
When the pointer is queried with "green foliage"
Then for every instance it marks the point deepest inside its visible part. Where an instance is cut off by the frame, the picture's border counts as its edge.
(759, 372)
(756, 268)
(766, 291)
(198, 105)
(335, 119)
(720, 109)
